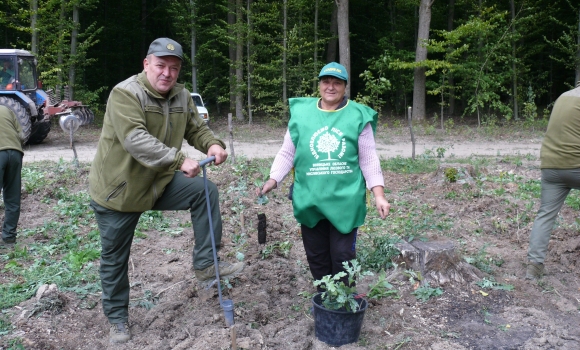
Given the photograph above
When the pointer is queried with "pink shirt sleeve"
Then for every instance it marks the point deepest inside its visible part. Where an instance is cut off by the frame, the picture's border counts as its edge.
(368, 159)
(284, 159)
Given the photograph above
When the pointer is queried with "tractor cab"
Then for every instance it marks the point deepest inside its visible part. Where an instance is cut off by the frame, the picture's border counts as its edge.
(17, 71)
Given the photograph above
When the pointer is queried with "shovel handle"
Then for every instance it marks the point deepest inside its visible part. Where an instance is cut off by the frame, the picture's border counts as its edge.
(207, 160)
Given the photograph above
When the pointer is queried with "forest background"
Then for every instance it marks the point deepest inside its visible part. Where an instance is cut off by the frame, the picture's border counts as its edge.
(497, 60)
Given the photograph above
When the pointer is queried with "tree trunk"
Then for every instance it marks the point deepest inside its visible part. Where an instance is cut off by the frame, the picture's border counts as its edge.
(284, 67)
(193, 48)
(514, 71)
(344, 38)
(239, 62)
(450, 16)
(315, 45)
(73, 51)
(143, 22)
(333, 42)
(60, 56)
(419, 111)
(578, 52)
(34, 30)
(249, 55)
(232, 52)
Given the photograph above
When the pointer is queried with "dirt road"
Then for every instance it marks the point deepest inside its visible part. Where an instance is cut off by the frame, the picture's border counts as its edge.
(59, 148)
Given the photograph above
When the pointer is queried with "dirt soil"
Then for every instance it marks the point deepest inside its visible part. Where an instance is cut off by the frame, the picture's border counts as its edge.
(271, 311)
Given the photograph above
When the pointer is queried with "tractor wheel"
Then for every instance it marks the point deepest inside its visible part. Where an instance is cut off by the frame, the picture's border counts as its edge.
(21, 112)
(39, 132)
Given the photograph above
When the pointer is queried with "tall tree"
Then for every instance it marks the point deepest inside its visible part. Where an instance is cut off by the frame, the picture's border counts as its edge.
(239, 61)
(249, 56)
(315, 59)
(73, 51)
(419, 108)
(514, 59)
(284, 59)
(578, 51)
(331, 51)
(33, 26)
(232, 52)
(193, 48)
(344, 37)
(450, 17)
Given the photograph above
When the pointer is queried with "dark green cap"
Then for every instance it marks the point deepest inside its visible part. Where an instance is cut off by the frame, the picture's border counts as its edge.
(165, 47)
(334, 69)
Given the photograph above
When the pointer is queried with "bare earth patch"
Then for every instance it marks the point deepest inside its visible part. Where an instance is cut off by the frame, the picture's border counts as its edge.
(270, 312)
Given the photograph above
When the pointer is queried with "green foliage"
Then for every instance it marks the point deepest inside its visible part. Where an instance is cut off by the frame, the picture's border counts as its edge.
(5, 324)
(376, 250)
(425, 292)
(530, 110)
(573, 200)
(402, 165)
(490, 283)
(484, 262)
(337, 295)
(282, 248)
(382, 288)
(451, 174)
(32, 179)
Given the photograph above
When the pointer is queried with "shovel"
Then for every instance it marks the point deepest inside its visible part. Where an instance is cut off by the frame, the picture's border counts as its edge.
(226, 305)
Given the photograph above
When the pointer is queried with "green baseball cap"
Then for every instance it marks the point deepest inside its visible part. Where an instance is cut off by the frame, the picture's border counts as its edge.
(334, 69)
(165, 47)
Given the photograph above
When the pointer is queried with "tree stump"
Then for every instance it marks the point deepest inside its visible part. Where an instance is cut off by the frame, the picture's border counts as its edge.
(437, 261)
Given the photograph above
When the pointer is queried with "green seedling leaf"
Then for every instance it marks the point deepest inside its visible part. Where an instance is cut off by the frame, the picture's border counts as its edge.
(262, 200)
(425, 292)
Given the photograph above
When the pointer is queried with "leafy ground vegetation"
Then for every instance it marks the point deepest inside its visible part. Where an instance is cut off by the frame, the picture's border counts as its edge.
(486, 207)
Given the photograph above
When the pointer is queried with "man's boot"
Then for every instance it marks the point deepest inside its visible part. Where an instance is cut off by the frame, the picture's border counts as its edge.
(120, 333)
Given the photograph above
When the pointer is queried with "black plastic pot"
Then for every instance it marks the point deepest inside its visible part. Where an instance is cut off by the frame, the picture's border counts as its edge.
(336, 327)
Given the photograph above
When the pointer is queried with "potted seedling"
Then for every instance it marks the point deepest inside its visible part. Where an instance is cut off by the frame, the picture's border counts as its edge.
(338, 310)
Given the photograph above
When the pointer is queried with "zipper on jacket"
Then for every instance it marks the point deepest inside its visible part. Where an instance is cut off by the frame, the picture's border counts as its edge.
(166, 112)
(116, 191)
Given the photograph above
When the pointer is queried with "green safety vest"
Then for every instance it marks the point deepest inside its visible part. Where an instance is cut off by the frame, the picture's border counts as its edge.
(328, 182)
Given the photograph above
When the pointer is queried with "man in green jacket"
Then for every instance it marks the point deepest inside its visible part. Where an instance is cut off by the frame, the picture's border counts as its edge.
(10, 171)
(560, 164)
(139, 166)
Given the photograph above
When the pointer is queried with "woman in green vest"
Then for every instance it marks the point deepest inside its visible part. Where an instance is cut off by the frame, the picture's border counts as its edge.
(330, 144)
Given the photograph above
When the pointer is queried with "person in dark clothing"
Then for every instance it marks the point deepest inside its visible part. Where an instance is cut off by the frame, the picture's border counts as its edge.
(11, 154)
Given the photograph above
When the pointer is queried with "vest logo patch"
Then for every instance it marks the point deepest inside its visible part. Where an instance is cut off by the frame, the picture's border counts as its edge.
(324, 144)
(328, 147)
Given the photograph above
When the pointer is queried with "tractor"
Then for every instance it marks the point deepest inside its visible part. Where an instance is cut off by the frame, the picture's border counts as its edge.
(21, 91)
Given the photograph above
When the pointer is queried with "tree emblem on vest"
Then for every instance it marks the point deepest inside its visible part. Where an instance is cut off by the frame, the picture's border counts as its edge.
(328, 142)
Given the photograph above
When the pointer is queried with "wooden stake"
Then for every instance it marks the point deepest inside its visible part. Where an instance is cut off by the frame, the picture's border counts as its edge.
(231, 128)
(233, 335)
(410, 109)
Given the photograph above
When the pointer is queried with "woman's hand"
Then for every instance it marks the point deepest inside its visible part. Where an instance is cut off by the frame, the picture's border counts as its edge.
(268, 186)
(383, 206)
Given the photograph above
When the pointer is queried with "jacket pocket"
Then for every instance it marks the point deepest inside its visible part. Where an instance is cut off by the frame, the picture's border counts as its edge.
(116, 191)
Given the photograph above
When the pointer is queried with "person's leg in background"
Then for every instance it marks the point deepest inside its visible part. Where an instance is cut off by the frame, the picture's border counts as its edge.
(556, 184)
(10, 183)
